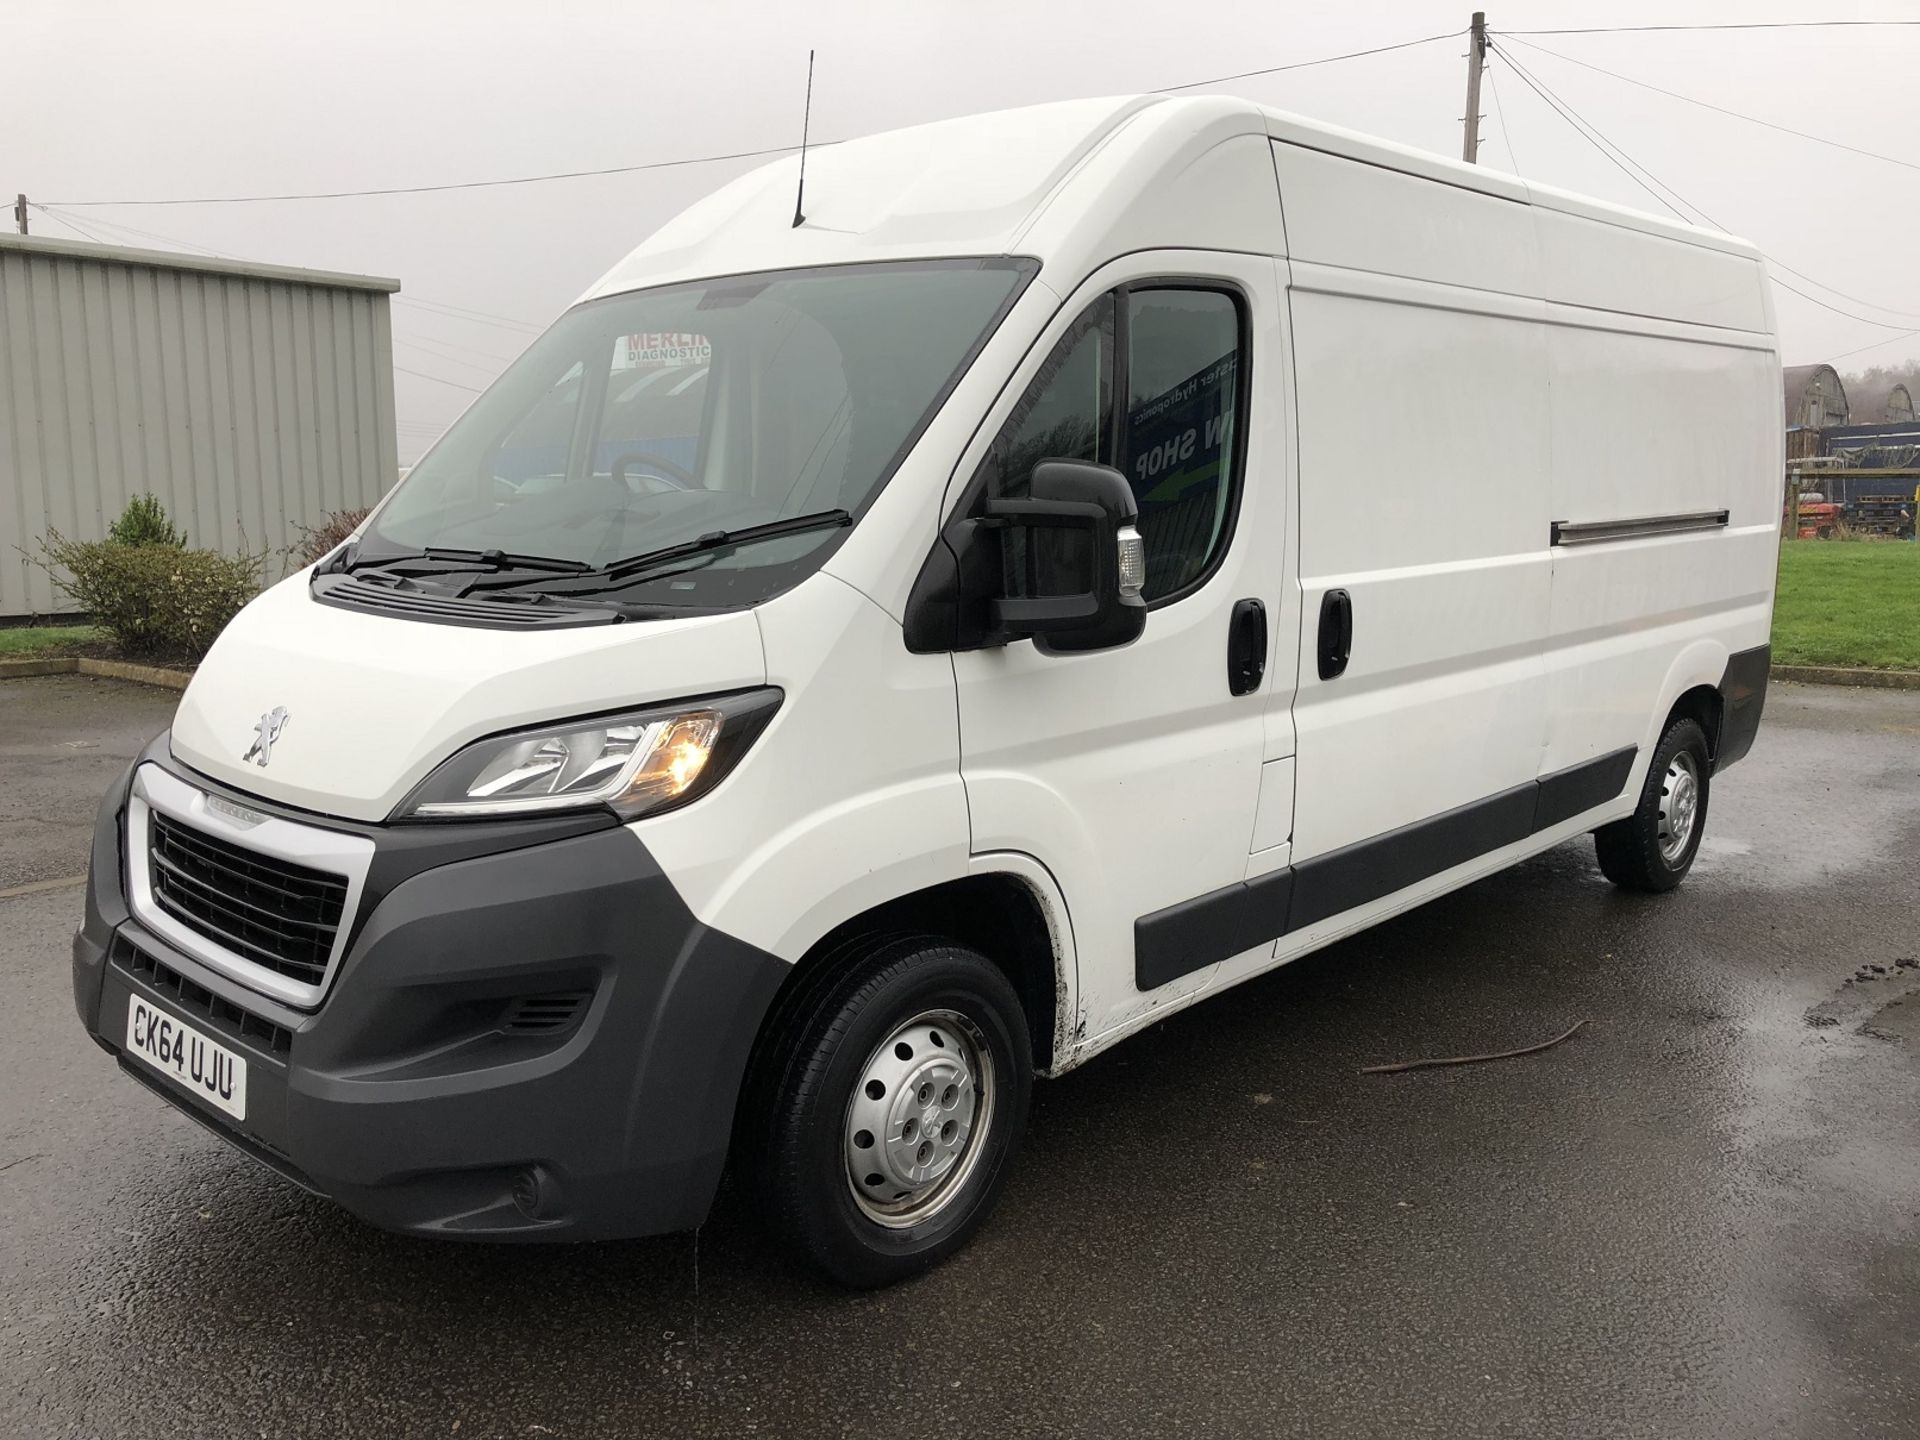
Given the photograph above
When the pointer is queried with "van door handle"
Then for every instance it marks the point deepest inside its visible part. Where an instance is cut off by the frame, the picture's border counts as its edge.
(1336, 632)
(1246, 647)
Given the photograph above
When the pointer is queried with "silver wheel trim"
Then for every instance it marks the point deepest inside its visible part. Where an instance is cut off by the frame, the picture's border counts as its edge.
(925, 1129)
(1679, 806)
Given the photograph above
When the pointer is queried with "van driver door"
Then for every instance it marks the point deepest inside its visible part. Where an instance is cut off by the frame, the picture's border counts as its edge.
(1134, 773)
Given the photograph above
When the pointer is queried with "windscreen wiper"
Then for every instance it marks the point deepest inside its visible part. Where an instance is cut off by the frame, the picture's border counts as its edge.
(456, 559)
(709, 543)
(724, 540)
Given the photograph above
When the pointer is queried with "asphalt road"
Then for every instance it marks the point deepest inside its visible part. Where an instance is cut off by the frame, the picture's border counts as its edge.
(1698, 1217)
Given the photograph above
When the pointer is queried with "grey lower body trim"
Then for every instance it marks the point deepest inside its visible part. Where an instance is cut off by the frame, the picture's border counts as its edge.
(1168, 943)
(1363, 872)
(1743, 695)
(1579, 788)
(1196, 933)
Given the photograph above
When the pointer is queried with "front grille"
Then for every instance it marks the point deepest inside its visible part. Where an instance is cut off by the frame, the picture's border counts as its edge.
(272, 912)
(200, 1002)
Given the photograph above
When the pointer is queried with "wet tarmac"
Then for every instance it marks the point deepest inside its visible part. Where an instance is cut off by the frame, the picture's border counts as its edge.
(1700, 1216)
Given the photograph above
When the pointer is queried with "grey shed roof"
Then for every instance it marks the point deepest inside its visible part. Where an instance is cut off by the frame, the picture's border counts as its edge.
(205, 265)
(1796, 380)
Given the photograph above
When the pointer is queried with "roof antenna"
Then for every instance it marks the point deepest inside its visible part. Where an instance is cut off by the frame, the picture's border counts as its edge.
(806, 117)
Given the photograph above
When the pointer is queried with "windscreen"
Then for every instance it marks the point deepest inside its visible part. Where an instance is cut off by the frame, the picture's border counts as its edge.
(665, 420)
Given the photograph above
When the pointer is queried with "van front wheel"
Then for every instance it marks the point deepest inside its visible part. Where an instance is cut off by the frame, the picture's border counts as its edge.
(897, 1102)
(1653, 848)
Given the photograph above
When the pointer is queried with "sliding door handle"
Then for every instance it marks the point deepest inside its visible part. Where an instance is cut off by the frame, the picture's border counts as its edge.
(1336, 633)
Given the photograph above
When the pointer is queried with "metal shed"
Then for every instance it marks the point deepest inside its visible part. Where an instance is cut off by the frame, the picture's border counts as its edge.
(252, 399)
(1814, 396)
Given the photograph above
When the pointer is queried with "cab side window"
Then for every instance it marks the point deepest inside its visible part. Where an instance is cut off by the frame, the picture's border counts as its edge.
(1173, 354)
(1177, 446)
(1067, 412)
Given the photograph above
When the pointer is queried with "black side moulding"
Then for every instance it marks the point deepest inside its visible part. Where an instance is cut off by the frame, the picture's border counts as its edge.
(1209, 928)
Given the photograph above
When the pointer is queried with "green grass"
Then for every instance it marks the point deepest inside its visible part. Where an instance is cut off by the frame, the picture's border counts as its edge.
(34, 642)
(1848, 603)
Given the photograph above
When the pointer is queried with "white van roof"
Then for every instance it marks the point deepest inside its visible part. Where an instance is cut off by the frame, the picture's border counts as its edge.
(1015, 181)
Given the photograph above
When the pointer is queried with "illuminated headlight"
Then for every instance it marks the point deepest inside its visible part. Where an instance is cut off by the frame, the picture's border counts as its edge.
(635, 764)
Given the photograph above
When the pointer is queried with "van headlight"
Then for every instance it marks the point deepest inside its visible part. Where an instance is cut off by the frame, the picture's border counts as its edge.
(637, 763)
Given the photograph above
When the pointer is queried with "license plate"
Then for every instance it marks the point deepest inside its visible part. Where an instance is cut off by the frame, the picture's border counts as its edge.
(183, 1054)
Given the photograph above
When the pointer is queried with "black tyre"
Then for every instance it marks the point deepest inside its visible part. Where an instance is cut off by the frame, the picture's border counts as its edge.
(1653, 848)
(888, 1101)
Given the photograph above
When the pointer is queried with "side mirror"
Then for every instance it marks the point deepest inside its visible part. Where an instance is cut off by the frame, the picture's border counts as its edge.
(1072, 559)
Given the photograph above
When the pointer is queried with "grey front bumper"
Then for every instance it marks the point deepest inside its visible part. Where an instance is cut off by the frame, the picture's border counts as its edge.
(407, 1097)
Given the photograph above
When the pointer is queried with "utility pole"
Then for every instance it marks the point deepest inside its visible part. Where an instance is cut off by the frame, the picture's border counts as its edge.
(1476, 62)
(20, 212)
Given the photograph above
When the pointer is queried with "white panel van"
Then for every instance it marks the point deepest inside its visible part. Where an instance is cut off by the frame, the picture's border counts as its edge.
(847, 668)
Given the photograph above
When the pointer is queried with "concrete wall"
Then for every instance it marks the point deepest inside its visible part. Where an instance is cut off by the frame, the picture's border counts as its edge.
(251, 399)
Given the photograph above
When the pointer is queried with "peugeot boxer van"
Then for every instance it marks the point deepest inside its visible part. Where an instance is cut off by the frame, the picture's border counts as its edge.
(852, 665)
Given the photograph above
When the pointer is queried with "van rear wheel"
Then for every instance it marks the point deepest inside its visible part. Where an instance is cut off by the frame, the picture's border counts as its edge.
(896, 1101)
(1653, 848)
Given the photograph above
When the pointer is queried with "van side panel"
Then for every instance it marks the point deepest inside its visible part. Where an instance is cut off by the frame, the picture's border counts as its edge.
(1598, 266)
(1423, 456)
(1368, 218)
(1653, 420)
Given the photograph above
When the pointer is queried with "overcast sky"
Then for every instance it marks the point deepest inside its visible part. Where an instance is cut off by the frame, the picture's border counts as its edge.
(115, 101)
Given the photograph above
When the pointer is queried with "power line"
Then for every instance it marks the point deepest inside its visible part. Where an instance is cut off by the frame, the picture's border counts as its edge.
(436, 307)
(459, 352)
(1307, 64)
(1580, 129)
(1612, 149)
(138, 233)
(1732, 25)
(456, 312)
(1780, 264)
(1604, 145)
(1500, 115)
(1774, 260)
(1709, 105)
(1609, 148)
(454, 185)
(74, 225)
(683, 160)
(423, 375)
(1873, 345)
(490, 372)
(1816, 300)
(68, 223)
(80, 229)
